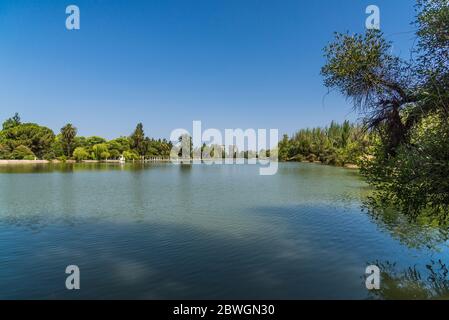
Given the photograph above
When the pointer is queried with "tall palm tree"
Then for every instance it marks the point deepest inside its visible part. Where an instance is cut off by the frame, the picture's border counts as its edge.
(68, 133)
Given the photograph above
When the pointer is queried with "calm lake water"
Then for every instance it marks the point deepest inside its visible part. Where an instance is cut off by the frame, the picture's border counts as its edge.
(162, 231)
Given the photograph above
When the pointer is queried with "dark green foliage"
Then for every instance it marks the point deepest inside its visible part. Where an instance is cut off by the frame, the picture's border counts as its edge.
(118, 146)
(138, 140)
(5, 152)
(415, 180)
(68, 134)
(89, 142)
(12, 122)
(335, 145)
(38, 139)
(43, 144)
(364, 70)
(158, 148)
(22, 153)
(407, 105)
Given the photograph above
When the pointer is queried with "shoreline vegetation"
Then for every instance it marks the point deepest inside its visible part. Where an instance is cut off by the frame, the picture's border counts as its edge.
(401, 145)
(405, 104)
(25, 162)
(341, 145)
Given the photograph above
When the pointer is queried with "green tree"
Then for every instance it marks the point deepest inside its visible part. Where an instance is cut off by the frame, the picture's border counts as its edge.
(37, 138)
(105, 155)
(68, 134)
(80, 154)
(22, 153)
(5, 152)
(345, 133)
(130, 155)
(91, 141)
(12, 122)
(57, 148)
(338, 144)
(407, 104)
(114, 154)
(120, 145)
(100, 151)
(138, 140)
(284, 148)
(363, 69)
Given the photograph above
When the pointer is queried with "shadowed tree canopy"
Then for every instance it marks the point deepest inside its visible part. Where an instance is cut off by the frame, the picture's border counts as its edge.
(407, 104)
(364, 70)
(36, 138)
(393, 94)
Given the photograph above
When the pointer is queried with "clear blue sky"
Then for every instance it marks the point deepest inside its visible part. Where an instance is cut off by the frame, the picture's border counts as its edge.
(229, 63)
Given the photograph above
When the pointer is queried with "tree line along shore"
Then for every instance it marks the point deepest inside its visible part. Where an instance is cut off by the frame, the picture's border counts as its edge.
(337, 144)
(401, 143)
(30, 141)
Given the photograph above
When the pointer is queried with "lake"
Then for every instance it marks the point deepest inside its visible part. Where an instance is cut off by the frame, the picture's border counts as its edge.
(165, 231)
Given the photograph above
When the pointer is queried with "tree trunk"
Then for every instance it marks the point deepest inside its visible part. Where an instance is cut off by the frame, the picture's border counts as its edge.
(395, 132)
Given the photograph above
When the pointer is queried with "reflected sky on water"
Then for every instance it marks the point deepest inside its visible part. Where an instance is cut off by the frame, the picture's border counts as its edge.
(158, 231)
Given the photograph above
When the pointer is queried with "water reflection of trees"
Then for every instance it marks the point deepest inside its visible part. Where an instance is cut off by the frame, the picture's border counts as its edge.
(412, 283)
(417, 232)
(75, 167)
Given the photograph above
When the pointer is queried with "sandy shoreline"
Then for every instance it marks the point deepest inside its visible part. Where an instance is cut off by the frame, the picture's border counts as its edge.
(3, 162)
(17, 162)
